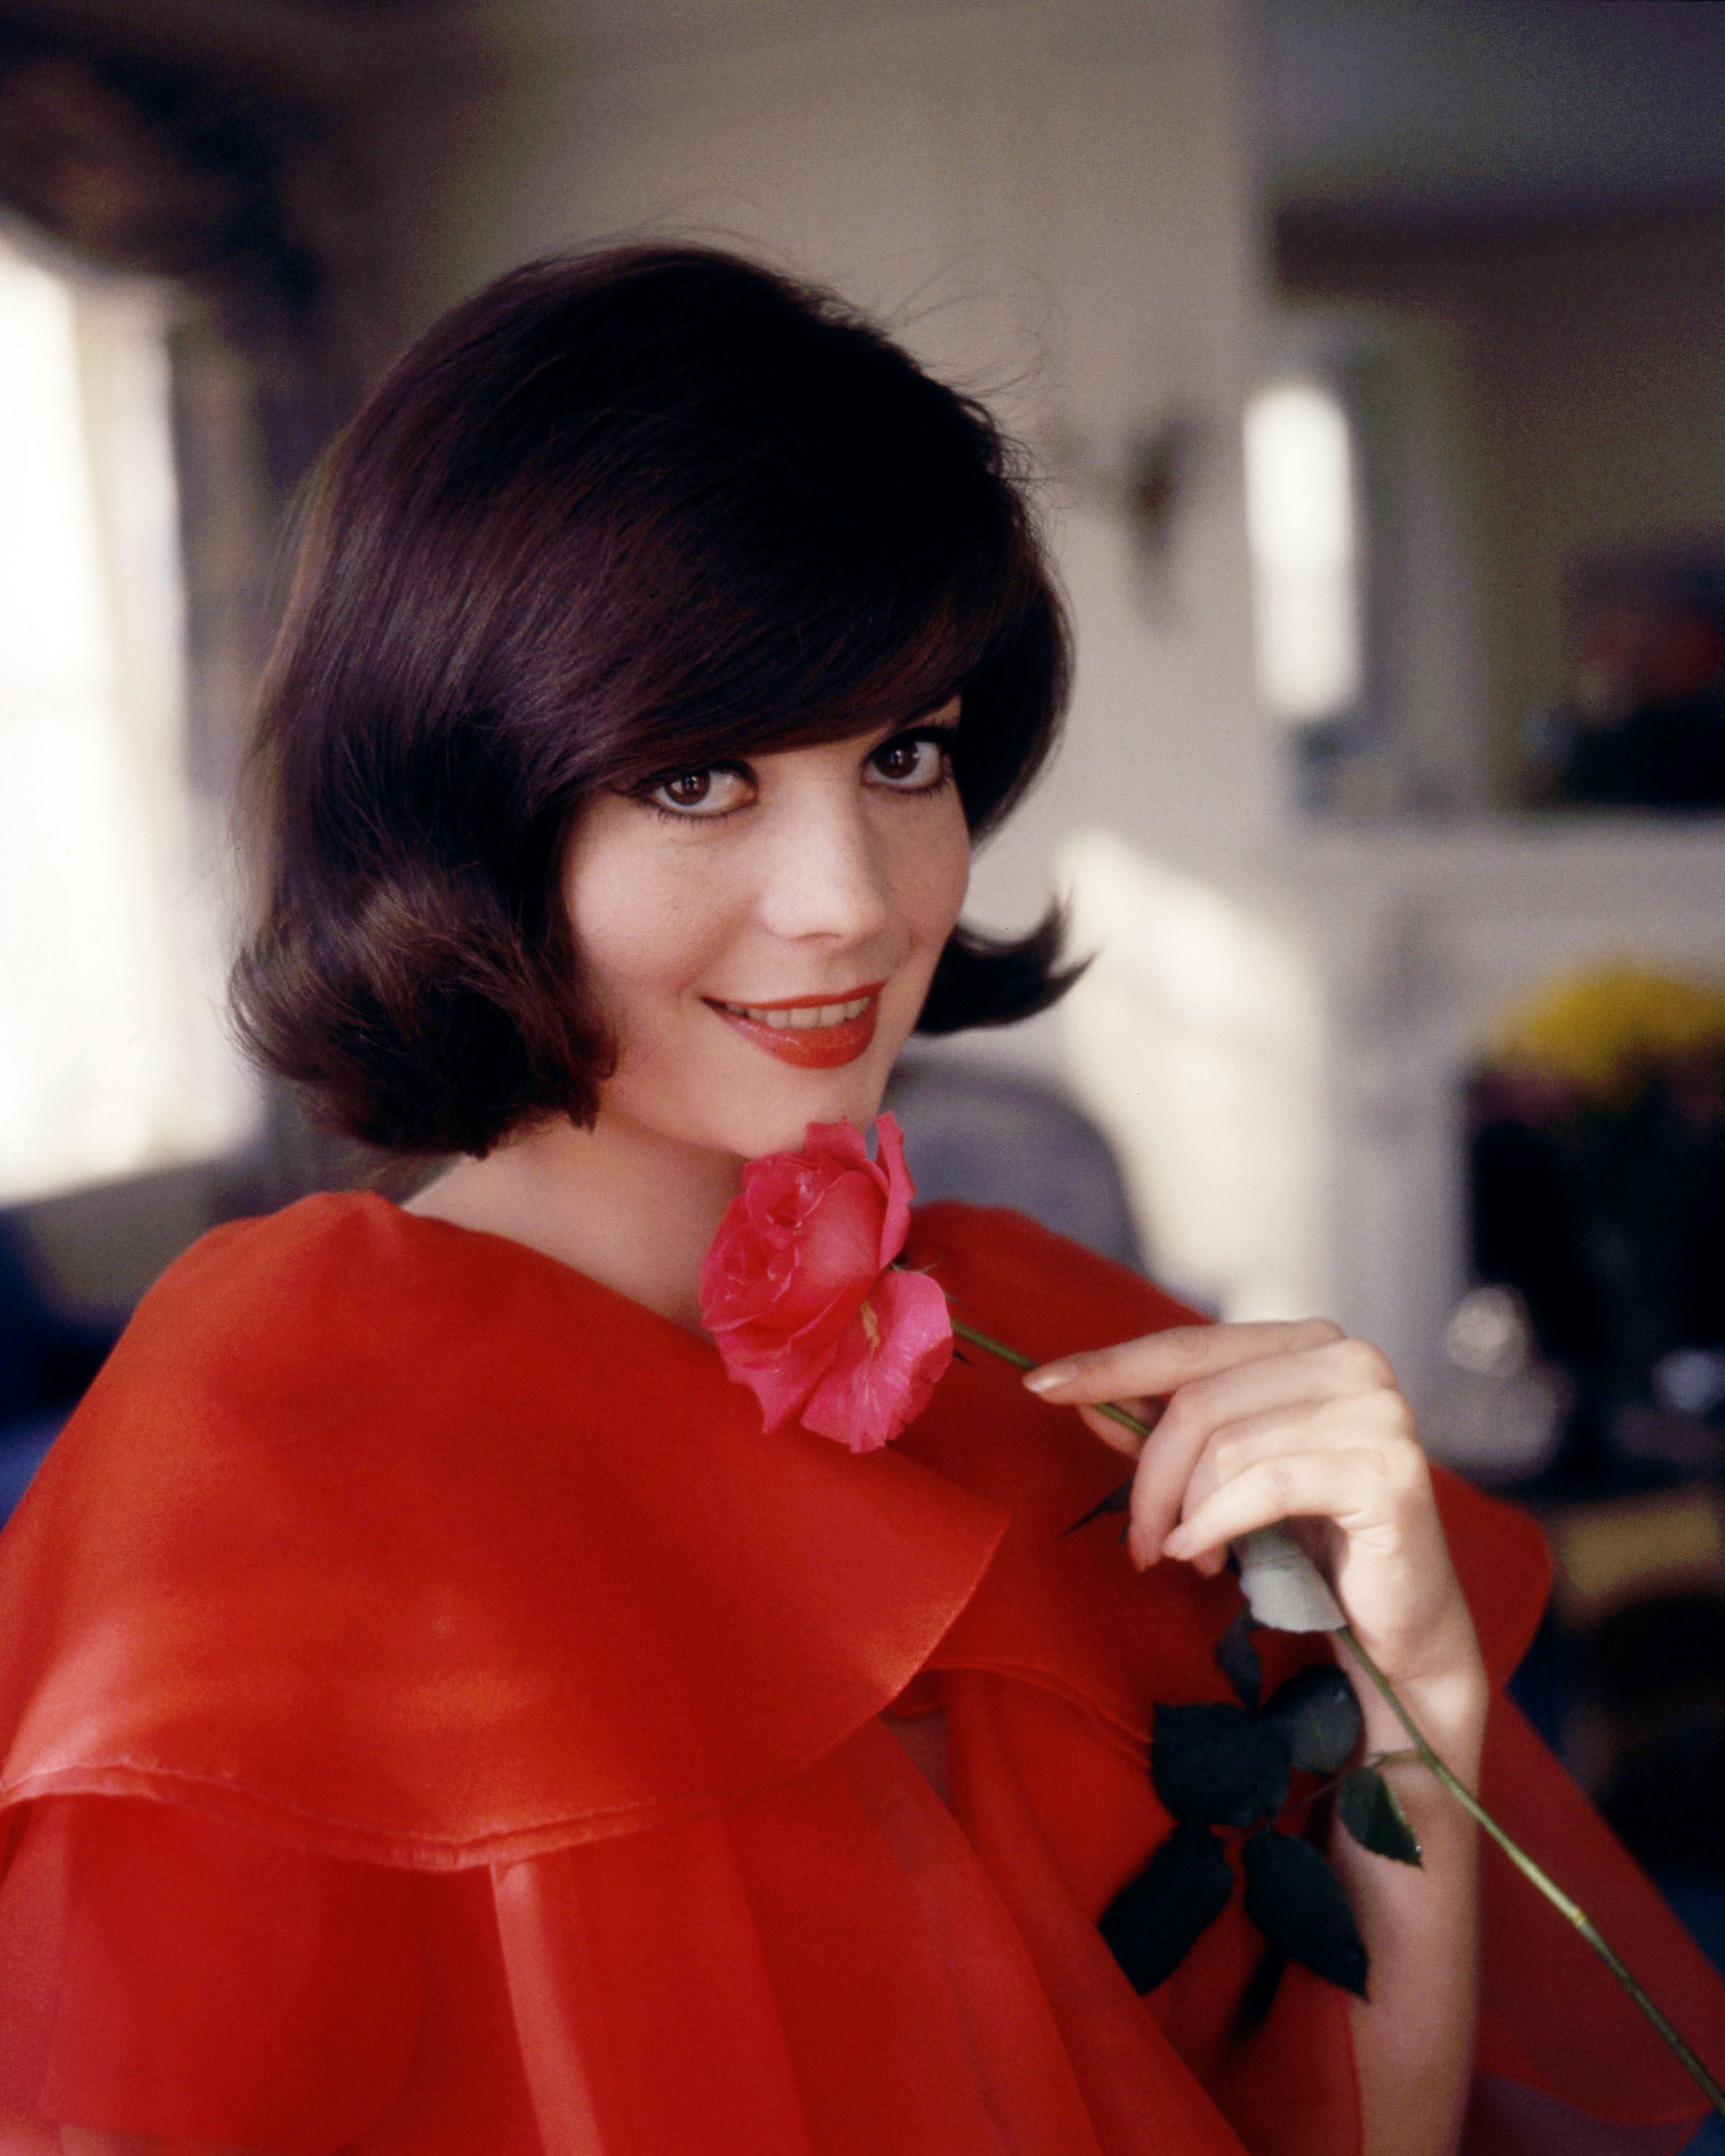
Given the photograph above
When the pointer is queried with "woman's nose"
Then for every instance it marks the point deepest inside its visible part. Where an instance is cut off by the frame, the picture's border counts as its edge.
(824, 875)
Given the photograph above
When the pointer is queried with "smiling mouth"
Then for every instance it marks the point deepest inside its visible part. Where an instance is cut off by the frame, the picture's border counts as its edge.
(800, 1018)
(805, 1030)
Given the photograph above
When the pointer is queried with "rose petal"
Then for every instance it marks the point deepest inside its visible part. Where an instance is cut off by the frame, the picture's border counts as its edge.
(781, 1377)
(774, 1255)
(837, 1259)
(745, 1278)
(884, 1373)
(889, 1144)
(841, 1143)
(760, 1223)
(800, 1248)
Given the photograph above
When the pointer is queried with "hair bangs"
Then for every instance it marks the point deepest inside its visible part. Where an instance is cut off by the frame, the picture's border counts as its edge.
(811, 649)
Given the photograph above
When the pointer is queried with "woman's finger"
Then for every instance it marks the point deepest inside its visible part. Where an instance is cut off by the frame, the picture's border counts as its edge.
(1302, 1426)
(1338, 1369)
(1160, 1362)
(1230, 1396)
(1360, 1487)
(1301, 1378)
(1150, 1412)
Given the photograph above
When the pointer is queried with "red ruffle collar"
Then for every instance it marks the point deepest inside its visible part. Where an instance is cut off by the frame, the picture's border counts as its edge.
(412, 1544)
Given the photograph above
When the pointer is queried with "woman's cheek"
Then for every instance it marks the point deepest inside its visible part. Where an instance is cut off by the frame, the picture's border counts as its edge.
(931, 897)
(642, 937)
(941, 873)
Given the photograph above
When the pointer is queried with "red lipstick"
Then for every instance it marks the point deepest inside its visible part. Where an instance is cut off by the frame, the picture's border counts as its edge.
(808, 1047)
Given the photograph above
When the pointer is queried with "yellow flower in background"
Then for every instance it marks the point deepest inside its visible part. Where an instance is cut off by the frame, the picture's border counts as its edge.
(1599, 1028)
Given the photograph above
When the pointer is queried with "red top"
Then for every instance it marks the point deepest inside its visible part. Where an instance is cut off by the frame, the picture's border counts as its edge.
(436, 1719)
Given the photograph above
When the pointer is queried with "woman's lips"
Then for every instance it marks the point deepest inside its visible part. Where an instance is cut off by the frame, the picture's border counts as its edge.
(815, 1033)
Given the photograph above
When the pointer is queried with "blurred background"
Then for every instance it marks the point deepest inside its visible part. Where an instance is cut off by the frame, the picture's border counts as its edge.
(1371, 353)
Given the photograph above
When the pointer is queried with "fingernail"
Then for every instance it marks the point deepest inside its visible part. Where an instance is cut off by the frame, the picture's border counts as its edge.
(1049, 1378)
(1178, 1544)
(1138, 1548)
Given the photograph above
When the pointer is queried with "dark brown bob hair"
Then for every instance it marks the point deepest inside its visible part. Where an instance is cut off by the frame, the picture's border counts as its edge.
(620, 514)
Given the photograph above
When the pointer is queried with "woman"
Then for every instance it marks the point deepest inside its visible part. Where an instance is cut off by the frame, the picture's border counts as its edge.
(439, 1717)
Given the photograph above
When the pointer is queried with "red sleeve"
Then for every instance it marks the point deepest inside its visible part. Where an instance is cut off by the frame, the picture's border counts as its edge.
(1560, 2044)
(165, 1972)
(1567, 2066)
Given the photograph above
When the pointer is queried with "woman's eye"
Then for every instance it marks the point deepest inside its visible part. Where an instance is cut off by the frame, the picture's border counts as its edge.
(713, 791)
(914, 763)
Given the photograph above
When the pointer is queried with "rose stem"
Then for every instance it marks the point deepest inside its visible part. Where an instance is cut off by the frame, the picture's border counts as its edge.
(1572, 1911)
(1374, 1760)
(1029, 1362)
(1530, 1871)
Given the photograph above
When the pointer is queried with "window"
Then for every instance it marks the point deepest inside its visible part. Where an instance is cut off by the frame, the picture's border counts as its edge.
(113, 1057)
(1300, 520)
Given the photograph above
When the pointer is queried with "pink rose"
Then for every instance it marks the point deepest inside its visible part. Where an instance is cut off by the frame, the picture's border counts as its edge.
(797, 1292)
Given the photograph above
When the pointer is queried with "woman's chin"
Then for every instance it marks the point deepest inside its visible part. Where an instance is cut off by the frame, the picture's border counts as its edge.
(746, 1102)
(778, 1120)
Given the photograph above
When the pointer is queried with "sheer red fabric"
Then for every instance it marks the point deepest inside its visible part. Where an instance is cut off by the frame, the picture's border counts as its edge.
(437, 1720)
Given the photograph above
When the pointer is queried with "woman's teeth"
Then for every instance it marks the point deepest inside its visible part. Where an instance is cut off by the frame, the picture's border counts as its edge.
(802, 1021)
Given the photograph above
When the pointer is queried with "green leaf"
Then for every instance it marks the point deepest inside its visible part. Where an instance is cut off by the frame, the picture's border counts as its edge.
(1371, 1813)
(1218, 1765)
(1257, 1995)
(1118, 1500)
(1150, 1925)
(1317, 1713)
(1238, 1659)
(1297, 1902)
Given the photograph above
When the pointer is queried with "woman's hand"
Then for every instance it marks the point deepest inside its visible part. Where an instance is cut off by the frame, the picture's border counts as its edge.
(1255, 1424)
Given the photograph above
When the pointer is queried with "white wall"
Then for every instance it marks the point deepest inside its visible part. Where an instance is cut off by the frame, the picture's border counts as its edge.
(1049, 202)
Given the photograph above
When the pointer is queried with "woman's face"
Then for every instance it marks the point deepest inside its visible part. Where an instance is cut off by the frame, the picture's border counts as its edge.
(761, 934)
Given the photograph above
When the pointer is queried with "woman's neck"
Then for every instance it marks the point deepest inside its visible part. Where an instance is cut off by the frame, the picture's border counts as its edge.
(618, 1203)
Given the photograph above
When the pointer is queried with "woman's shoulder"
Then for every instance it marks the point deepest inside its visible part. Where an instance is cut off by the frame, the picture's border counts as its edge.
(337, 1260)
(328, 1316)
